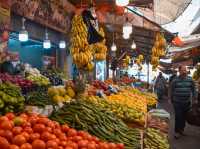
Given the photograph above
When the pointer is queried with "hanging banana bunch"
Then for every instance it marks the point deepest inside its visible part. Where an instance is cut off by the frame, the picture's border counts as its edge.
(139, 61)
(80, 49)
(100, 49)
(158, 49)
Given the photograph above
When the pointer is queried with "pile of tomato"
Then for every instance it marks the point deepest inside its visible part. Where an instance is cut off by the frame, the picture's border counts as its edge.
(38, 132)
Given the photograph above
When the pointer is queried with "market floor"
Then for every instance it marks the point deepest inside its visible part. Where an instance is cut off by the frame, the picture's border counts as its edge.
(191, 141)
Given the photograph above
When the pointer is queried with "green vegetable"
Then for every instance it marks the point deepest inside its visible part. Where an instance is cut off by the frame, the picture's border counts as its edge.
(1, 104)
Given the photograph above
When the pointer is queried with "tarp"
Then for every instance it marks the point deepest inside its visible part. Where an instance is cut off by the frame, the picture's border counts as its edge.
(167, 11)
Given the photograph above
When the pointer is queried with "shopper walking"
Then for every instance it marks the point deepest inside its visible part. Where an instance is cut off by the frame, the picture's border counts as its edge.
(160, 87)
(182, 91)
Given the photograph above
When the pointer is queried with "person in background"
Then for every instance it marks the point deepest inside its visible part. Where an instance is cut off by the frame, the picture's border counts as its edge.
(182, 89)
(160, 86)
(174, 75)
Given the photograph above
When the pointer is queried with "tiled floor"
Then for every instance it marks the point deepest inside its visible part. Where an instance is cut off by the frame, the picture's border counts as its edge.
(191, 141)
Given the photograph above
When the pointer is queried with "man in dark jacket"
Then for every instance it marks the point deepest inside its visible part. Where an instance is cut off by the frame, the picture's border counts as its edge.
(182, 89)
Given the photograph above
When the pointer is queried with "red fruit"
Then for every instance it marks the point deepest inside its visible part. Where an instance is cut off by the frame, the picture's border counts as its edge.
(6, 125)
(4, 143)
(91, 146)
(51, 124)
(13, 146)
(52, 144)
(3, 118)
(72, 132)
(8, 135)
(33, 120)
(49, 129)
(26, 146)
(57, 132)
(120, 146)
(10, 116)
(26, 135)
(68, 147)
(39, 128)
(19, 140)
(17, 130)
(34, 136)
(43, 120)
(38, 144)
(77, 138)
(45, 136)
(112, 146)
(65, 128)
(28, 130)
(82, 143)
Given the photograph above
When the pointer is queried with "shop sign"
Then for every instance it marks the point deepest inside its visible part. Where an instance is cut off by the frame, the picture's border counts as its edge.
(48, 13)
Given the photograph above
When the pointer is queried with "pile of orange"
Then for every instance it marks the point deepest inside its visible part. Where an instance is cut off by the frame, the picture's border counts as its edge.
(38, 132)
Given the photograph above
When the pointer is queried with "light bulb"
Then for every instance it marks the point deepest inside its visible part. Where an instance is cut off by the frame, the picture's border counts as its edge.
(62, 44)
(114, 47)
(127, 28)
(122, 2)
(126, 36)
(47, 44)
(23, 36)
(133, 46)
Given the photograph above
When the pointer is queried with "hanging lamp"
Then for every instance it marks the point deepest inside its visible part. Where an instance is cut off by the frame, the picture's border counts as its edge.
(47, 42)
(62, 44)
(122, 3)
(133, 46)
(23, 34)
(127, 27)
(113, 47)
(126, 36)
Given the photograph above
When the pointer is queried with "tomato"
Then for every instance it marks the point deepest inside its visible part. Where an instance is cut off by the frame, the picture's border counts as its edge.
(82, 143)
(51, 124)
(39, 128)
(38, 144)
(52, 137)
(26, 146)
(91, 146)
(60, 147)
(3, 118)
(26, 124)
(120, 145)
(72, 144)
(57, 125)
(13, 146)
(24, 116)
(103, 145)
(57, 141)
(63, 137)
(8, 135)
(51, 144)
(28, 130)
(26, 135)
(57, 132)
(65, 128)
(32, 120)
(34, 136)
(6, 125)
(95, 139)
(63, 143)
(19, 140)
(49, 129)
(112, 146)
(10, 116)
(72, 132)
(77, 138)
(43, 120)
(68, 147)
(2, 132)
(4, 143)
(18, 121)
(45, 136)
(17, 130)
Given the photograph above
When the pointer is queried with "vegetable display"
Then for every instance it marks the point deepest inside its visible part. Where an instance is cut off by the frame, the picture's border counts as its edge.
(11, 99)
(40, 80)
(84, 115)
(24, 84)
(155, 139)
(39, 132)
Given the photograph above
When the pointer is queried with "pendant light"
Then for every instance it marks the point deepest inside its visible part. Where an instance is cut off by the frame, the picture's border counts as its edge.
(133, 46)
(62, 44)
(127, 27)
(122, 3)
(47, 42)
(126, 36)
(23, 34)
(113, 47)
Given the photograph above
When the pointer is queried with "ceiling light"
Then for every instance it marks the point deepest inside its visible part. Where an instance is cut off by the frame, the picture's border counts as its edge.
(127, 27)
(133, 46)
(122, 2)
(62, 44)
(126, 36)
(23, 34)
(47, 42)
(113, 47)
